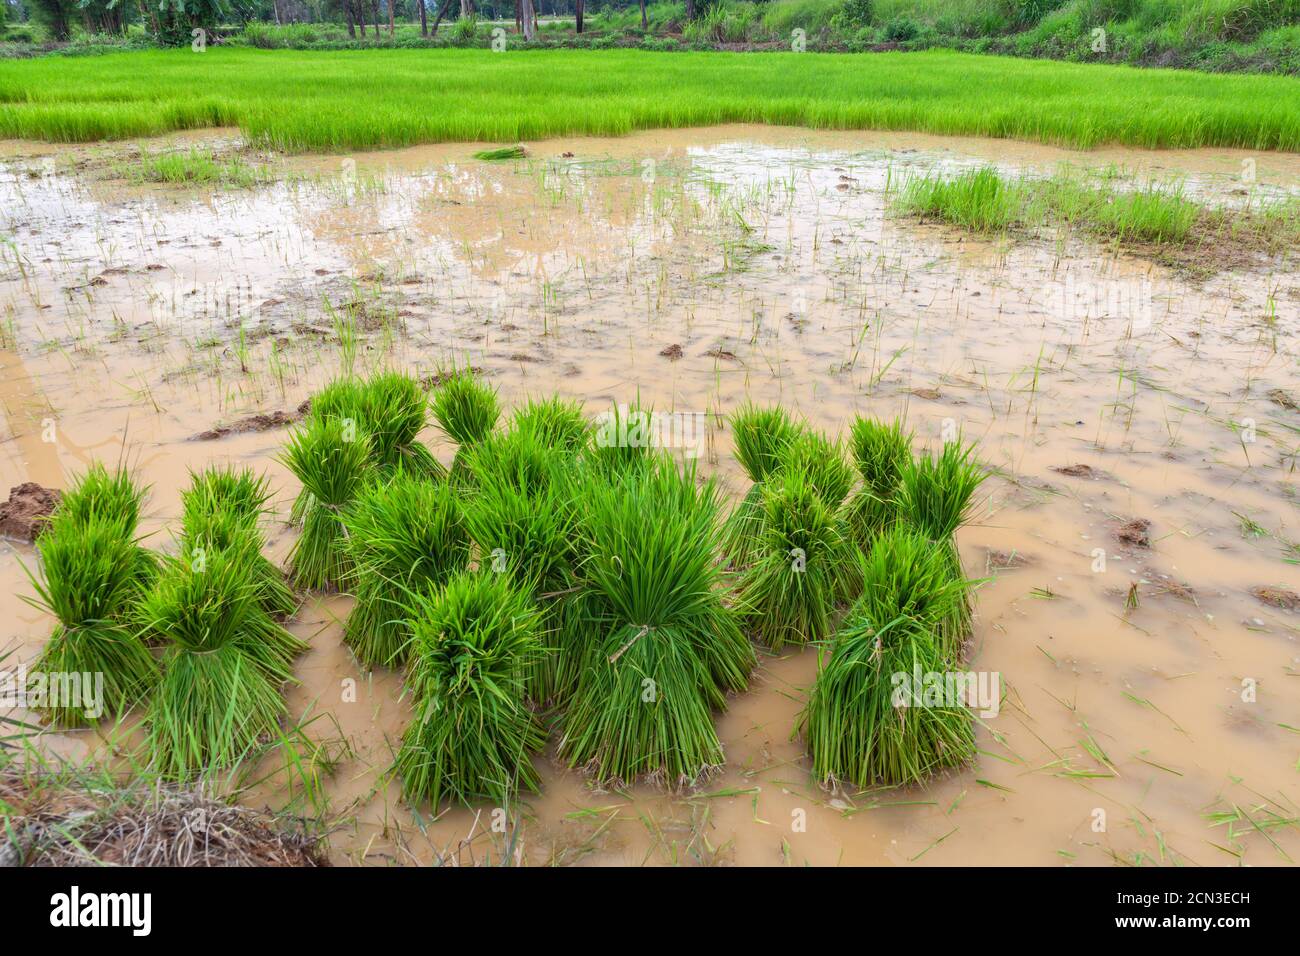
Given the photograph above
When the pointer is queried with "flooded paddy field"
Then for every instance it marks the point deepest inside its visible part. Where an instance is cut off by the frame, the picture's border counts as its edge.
(1137, 541)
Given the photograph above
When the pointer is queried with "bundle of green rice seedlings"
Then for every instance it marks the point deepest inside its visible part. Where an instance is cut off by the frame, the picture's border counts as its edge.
(89, 581)
(115, 497)
(332, 460)
(557, 423)
(472, 736)
(467, 410)
(821, 461)
(523, 518)
(224, 504)
(788, 594)
(391, 408)
(866, 722)
(219, 694)
(623, 441)
(934, 497)
(661, 648)
(404, 535)
(760, 436)
(881, 451)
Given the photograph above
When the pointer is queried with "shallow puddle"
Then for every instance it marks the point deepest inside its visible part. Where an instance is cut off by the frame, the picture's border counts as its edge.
(133, 318)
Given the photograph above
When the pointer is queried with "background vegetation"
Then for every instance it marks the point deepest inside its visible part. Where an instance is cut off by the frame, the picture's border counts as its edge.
(1217, 35)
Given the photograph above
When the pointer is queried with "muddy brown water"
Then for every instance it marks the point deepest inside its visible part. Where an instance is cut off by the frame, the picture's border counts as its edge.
(134, 317)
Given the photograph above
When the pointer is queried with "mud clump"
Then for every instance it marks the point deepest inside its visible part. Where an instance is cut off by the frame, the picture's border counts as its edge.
(723, 354)
(1135, 533)
(1079, 471)
(24, 514)
(1283, 400)
(1277, 597)
(1005, 560)
(672, 352)
(929, 394)
(262, 422)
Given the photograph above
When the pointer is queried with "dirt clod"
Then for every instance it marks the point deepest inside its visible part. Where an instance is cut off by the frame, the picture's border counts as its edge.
(929, 394)
(1136, 533)
(672, 352)
(261, 422)
(29, 504)
(1079, 471)
(1277, 597)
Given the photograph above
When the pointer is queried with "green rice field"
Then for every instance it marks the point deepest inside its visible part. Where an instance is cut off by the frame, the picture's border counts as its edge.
(323, 101)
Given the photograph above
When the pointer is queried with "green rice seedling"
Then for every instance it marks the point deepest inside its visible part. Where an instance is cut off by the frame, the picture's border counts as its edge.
(660, 648)
(301, 100)
(934, 496)
(880, 451)
(557, 423)
(333, 463)
(523, 517)
(89, 582)
(392, 408)
(472, 736)
(501, 153)
(467, 410)
(404, 535)
(115, 497)
(821, 461)
(623, 441)
(760, 436)
(221, 506)
(218, 697)
(979, 199)
(787, 596)
(864, 724)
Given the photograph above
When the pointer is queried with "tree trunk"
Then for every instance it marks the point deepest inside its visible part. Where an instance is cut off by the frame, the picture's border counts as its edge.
(352, 23)
(644, 25)
(690, 9)
(529, 18)
(391, 25)
(442, 12)
(577, 11)
(424, 20)
(374, 9)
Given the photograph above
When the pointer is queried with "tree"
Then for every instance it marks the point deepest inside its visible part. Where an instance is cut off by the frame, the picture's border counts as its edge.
(528, 17)
(56, 16)
(577, 11)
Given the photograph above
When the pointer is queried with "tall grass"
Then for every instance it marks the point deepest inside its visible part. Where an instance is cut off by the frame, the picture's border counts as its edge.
(339, 100)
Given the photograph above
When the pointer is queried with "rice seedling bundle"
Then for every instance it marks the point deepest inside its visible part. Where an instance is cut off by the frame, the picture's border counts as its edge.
(113, 497)
(760, 436)
(558, 424)
(89, 581)
(472, 735)
(404, 535)
(332, 460)
(661, 650)
(224, 507)
(523, 518)
(865, 723)
(821, 462)
(623, 441)
(787, 596)
(219, 693)
(467, 410)
(389, 407)
(881, 451)
(934, 495)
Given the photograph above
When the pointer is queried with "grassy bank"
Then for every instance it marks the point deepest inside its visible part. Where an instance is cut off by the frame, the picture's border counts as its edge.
(326, 101)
